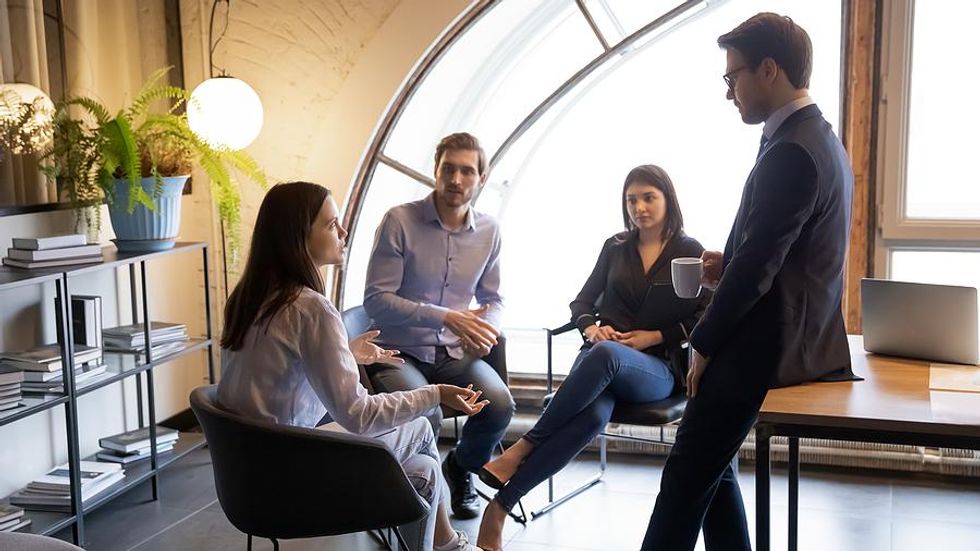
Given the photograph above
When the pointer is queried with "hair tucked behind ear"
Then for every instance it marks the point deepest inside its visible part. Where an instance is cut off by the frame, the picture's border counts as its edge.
(279, 265)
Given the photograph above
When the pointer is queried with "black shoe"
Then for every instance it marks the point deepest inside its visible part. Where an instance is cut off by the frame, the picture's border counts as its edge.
(491, 479)
(465, 502)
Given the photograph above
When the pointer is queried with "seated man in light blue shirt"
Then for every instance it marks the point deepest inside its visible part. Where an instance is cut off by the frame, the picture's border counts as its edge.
(431, 258)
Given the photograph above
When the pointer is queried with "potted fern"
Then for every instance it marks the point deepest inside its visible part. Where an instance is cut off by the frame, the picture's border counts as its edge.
(138, 162)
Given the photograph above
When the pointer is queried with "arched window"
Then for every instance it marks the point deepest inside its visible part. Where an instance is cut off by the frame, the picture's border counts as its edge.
(567, 97)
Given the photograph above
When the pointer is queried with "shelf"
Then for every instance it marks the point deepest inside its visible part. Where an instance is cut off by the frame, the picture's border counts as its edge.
(140, 472)
(31, 404)
(11, 278)
(122, 365)
(112, 258)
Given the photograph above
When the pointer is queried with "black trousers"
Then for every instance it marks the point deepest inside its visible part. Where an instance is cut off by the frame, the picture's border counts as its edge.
(699, 487)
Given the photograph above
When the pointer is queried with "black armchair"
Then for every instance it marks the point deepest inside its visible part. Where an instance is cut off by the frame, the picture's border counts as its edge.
(282, 482)
(650, 414)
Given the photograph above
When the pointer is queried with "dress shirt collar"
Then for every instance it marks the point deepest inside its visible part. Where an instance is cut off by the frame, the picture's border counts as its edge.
(780, 115)
(430, 214)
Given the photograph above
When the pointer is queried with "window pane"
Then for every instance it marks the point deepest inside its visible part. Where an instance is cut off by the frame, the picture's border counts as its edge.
(565, 176)
(618, 19)
(941, 180)
(951, 267)
(388, 188)
(936, 267)
(493, 77)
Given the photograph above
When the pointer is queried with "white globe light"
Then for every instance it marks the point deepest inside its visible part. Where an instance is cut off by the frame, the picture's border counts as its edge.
(224, 111)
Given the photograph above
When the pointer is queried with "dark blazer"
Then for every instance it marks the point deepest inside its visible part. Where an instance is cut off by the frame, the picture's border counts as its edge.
(618, 293)
(776, 315)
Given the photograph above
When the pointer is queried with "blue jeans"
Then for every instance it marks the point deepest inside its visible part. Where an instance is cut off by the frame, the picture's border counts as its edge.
(482, 431)
(602, 375)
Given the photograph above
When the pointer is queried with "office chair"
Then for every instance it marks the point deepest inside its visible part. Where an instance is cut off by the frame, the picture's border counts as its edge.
(649, 414)
(282, 482)
(357, 321)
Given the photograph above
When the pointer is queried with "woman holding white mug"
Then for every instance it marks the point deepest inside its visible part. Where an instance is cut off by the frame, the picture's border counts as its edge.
(634, 326)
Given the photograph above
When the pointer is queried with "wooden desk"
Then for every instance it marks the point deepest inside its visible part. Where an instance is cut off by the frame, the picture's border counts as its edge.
(892, 405)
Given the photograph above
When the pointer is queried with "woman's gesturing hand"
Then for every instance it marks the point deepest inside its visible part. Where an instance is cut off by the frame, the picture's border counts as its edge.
(366, 352)
(466, 399)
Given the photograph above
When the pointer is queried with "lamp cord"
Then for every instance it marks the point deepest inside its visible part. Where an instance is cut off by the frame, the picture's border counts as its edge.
(212, 44)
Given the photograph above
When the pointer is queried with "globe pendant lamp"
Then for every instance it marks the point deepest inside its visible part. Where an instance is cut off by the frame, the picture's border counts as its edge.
(225, 112)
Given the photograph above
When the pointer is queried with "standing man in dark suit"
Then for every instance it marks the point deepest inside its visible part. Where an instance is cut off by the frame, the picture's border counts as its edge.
(775, 318)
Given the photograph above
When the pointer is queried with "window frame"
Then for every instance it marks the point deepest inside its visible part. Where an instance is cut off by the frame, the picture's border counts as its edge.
(895, 230)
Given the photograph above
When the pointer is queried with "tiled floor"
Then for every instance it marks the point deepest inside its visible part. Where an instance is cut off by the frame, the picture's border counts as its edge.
(839, 512)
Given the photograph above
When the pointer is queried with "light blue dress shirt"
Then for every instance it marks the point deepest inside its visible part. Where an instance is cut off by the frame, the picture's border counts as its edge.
(419, 270)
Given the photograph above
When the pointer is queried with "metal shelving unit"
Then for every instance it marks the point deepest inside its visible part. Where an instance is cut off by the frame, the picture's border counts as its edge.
(120, 366)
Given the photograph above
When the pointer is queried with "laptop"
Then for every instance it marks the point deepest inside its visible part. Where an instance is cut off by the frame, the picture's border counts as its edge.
(917, 320)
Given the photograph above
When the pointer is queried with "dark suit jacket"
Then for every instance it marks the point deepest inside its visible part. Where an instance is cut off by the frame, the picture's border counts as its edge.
(775, 319)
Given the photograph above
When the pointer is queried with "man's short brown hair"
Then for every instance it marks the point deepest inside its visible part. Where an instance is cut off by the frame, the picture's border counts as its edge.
(462, 141)
(775, 36)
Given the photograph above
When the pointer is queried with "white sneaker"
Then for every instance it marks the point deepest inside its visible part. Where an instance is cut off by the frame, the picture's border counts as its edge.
(462, 543)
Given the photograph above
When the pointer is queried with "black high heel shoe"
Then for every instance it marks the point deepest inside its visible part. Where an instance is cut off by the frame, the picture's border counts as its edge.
(490, 479)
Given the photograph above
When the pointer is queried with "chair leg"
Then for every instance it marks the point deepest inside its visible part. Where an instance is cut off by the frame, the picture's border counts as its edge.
(275, 544)
(595, 479)
(249, 544)
(401, 540)
(379, 536)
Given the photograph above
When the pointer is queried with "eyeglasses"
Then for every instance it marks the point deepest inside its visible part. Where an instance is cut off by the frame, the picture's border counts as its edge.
(729, 77)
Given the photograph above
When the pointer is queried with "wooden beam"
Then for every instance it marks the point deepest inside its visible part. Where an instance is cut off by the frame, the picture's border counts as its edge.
(858, 135)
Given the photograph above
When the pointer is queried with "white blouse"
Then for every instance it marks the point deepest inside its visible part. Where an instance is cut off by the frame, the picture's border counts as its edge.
(300, 367)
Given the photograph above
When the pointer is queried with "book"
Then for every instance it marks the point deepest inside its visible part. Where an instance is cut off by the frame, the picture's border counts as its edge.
(33, 255)
(30, 265)
(10, 512)
(136, 439)
(6, 392)
(52, 242)
(83, 379)
(6, 400)
(10, 375)
(10, 406)
(136, 329)
(58, 477)
(126, 458)
(86, 319)
(158, 350)
(15, 524)
(49, 501)
(47, 357)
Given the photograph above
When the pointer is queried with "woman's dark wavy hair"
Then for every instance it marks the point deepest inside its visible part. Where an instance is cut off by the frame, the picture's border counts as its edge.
(656, 177)
(279, 265)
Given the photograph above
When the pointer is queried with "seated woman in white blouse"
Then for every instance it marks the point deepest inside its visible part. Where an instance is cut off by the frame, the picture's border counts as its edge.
(286, 358)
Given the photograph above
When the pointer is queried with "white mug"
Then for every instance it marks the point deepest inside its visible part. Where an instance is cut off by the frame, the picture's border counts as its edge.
(686, 272)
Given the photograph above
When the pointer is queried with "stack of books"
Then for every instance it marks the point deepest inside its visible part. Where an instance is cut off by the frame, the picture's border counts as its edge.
(12, 518)
(134, 445)
(41, 367)
(46, 382)
(48, 252)
(52, 492)
(11, 379)
(166, 338)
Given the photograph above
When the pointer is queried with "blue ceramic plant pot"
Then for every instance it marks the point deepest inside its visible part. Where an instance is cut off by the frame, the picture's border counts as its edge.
(145, 230)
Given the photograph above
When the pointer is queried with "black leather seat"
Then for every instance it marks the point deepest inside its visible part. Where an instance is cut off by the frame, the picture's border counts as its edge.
(661, 412)
(281, 482)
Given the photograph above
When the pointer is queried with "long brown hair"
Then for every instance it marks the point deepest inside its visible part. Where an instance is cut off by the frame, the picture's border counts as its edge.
(279, 265)
(657, 177)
